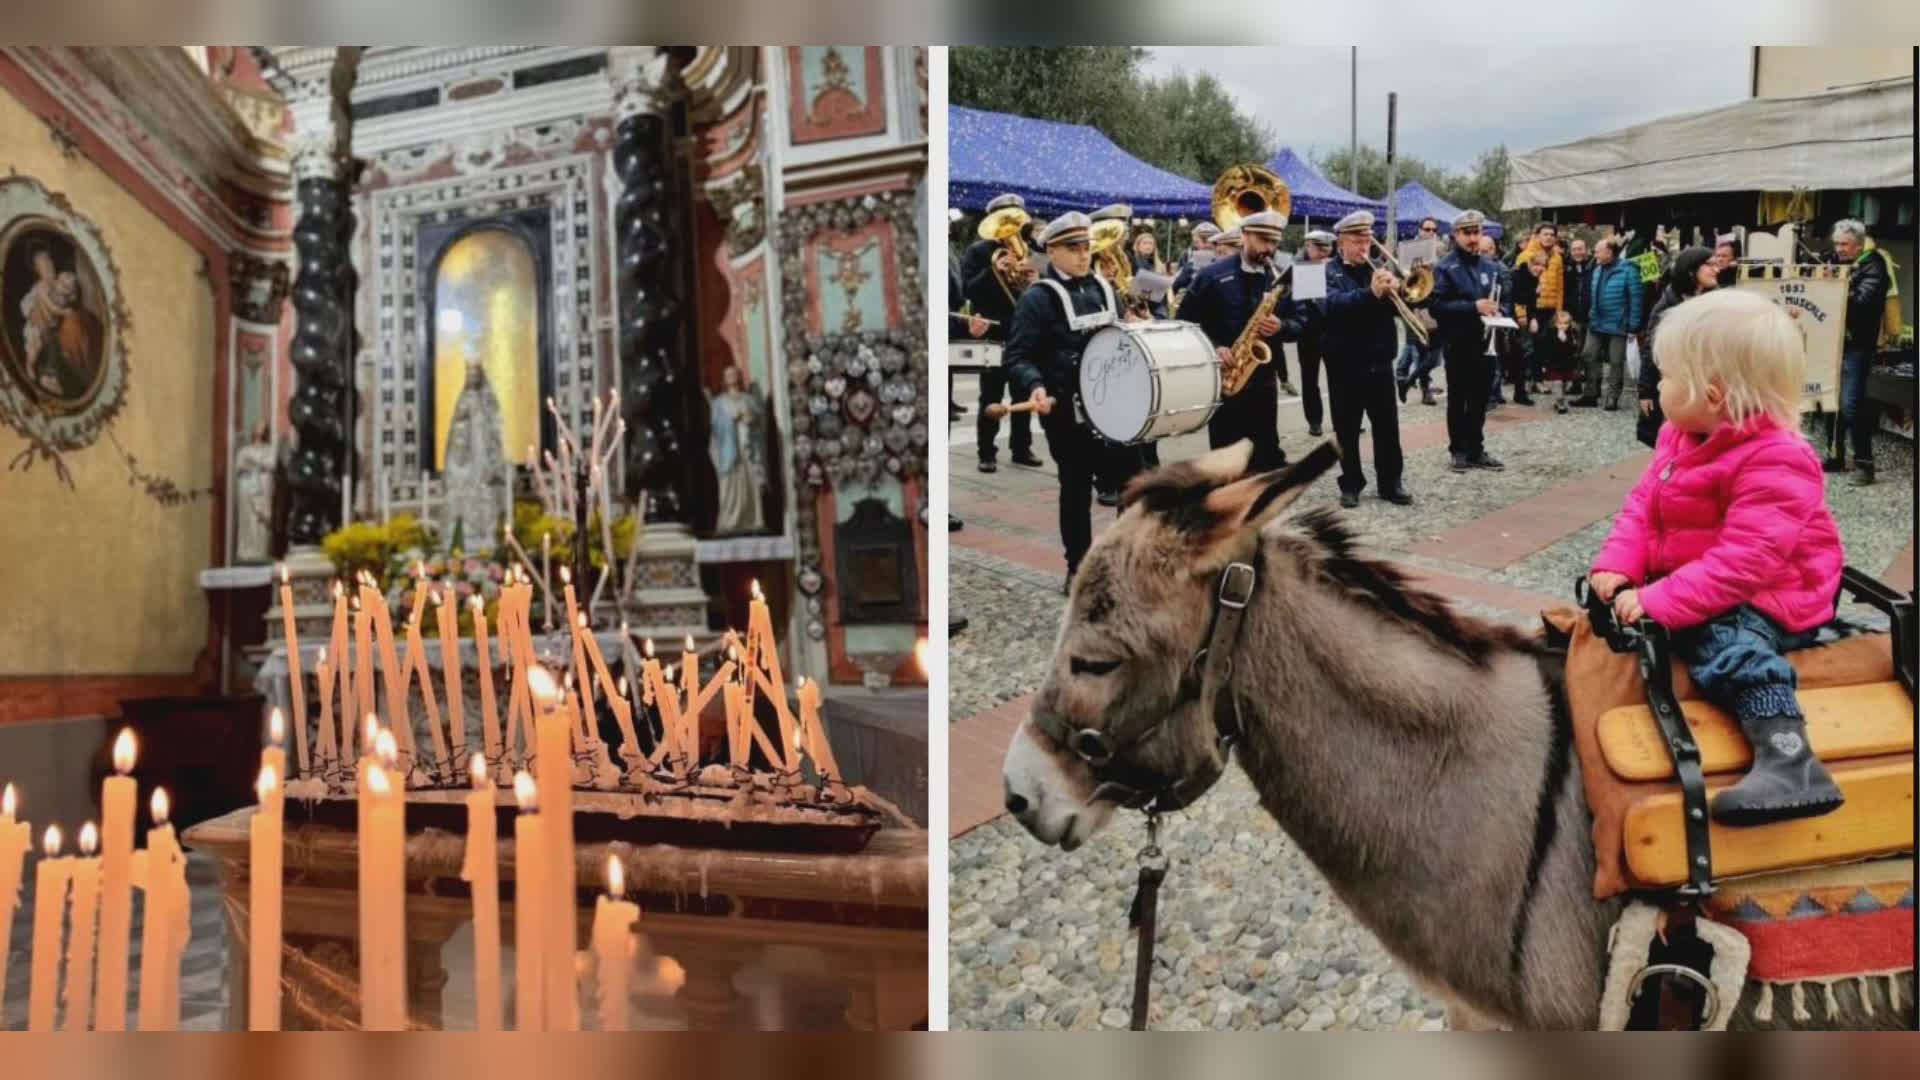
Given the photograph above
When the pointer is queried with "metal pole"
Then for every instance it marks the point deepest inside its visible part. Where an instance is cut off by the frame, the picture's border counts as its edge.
(1393, 104)
(1353, 118)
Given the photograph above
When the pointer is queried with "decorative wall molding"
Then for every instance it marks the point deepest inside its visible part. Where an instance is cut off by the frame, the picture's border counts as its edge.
(741, 202)
(259, 287)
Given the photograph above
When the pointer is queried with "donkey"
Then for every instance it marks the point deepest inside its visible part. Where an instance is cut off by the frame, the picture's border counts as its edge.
(1421, 758)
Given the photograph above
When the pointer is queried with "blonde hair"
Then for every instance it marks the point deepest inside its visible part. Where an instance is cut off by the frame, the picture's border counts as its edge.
(1742, 341)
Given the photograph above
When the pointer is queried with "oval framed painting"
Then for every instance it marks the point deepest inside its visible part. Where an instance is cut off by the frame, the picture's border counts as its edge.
(63, 320)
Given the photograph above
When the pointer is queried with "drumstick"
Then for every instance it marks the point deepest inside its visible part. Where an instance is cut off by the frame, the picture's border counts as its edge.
(964, 317)
(1000, 409)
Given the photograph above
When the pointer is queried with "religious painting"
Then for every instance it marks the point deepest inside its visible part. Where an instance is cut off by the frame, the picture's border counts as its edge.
(486, 316)
(852, 277)
(837, 92)
(62, 320)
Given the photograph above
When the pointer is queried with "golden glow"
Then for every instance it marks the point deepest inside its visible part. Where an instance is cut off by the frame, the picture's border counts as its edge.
(89, 839)
(616, 878)
(385, 748)
(8, 801)
(920, 657)
(276, 727)
(51, 844)
(541, 685)
(160, 806)
(477, 768)
(377, 781)
(123, 752)
(524, 792)
(487, 277)
(266, 783)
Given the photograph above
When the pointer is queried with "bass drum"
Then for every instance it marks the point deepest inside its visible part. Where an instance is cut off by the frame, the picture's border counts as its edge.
(1145, 381)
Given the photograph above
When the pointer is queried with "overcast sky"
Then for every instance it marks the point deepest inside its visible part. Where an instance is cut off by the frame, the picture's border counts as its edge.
(1455, 103)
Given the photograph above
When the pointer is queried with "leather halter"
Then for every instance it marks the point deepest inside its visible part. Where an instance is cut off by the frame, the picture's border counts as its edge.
(1138, 788)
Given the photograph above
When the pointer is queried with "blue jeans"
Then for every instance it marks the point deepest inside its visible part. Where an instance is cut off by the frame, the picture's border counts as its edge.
(1859, 414)
(1417, 362)
(1738, 661)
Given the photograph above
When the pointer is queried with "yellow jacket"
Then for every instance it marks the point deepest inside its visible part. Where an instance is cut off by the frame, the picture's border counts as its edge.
(1553, 282)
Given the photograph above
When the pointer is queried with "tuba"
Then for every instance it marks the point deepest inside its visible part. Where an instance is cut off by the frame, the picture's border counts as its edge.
(1007, 227)
(1242, 191)
(1109, 243)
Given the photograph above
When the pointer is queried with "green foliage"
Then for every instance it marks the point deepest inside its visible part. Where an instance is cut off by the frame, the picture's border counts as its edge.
(1184, 124)
(1483, 188)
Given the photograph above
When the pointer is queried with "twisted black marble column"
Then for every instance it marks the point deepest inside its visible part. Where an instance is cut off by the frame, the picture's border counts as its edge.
(321, 357)
(656, 389)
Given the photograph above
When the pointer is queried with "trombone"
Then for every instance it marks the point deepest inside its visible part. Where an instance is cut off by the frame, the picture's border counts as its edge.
(1409, 288)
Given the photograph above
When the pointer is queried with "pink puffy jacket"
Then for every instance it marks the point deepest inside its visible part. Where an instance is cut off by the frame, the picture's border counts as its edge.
(1737, 518)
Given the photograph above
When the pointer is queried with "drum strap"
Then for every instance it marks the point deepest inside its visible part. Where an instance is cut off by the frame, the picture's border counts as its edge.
(1092, 320)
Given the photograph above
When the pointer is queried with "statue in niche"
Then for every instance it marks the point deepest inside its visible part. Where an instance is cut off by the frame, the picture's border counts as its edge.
(253, 499)
(477, 479)
(738, 446)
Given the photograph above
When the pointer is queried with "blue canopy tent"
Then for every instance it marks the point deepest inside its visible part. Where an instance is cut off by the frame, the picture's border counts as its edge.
(1057, 167)
(1413, 201)
(1316, 197)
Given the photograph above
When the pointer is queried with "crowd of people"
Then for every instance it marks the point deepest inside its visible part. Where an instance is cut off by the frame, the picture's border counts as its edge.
(1579, 306)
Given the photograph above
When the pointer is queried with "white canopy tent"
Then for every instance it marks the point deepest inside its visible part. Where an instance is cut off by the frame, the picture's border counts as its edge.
(1840, 140)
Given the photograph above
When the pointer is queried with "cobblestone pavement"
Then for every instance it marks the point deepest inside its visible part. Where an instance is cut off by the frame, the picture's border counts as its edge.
(1250, 935)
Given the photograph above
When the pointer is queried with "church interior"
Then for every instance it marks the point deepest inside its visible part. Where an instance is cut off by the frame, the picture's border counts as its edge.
(377, 417)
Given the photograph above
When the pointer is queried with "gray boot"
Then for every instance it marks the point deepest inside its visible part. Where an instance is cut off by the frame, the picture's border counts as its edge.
(1786, 781)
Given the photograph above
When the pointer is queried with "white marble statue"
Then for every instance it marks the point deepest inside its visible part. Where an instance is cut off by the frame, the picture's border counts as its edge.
(476, 477)
(253, 500)
(738, 446)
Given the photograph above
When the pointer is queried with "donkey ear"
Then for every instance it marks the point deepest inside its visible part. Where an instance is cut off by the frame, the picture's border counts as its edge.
(1240, 509)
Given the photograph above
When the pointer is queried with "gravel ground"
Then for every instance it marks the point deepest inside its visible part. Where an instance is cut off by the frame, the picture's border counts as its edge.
(1250, 936)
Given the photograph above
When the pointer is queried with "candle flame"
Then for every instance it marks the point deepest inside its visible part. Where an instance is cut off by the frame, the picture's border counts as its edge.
(89, 839)
(276, 727)
(338, 589)
(419, 569)
(123, 752)
(616, 878)
(920, 656)
(477, 768)
(647, 645)
(269, 779)
(733, 653)
(160, 806)
(474, 603)
(385, 748)
(689, 643)
(566, 577)
(540, 683)
(283, 573)
(373, 729)
(323, 654)
(756, 590)
(51, 842)
(8, 801)
(524, 792)
(623, 693)
(566, 680)
(581, 621)
(377, 780)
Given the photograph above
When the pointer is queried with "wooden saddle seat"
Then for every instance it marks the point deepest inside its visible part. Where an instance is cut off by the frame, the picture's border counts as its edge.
(1859, 721)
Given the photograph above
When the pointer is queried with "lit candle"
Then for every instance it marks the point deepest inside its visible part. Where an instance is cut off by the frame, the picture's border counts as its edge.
(760, 636)
(383, 895)
(118, 800)
(546, 578)
(613, 919)
(450, 669)
(294, 683)
(323, 676)
(362, 669)
(86, 903)
(15, 838)
(481, 871)
(489, 713)
(663, 700)
(263, 897)
(165, 924)
(622, 714)
(736, 698)
(690, 686)
(529, 946)
(50, 882)
(553, 768)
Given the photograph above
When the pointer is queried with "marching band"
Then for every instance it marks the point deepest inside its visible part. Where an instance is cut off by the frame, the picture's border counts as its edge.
(1083, 347)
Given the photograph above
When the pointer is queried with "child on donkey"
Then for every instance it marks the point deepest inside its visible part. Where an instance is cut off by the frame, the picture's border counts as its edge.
(1727, 540)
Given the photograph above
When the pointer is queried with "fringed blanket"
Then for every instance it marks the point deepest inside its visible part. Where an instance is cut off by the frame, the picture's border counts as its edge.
(1813, 929)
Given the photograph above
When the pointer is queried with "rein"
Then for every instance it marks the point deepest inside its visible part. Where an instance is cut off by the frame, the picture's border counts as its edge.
(1146, 790)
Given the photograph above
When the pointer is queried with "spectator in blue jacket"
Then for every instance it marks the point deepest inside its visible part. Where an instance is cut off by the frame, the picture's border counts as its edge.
(1613, 316)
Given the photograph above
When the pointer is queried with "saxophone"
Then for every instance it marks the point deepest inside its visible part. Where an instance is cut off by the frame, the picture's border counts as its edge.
(1248, 351)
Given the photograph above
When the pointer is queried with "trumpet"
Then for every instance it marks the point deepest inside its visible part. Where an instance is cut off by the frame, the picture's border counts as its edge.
(1414, 287)
(1493, 333)
(1006, 227)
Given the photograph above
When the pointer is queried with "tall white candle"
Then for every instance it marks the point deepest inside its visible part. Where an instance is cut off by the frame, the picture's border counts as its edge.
(50, 881)
(489, 712)
(295, 683)
(383, 896)
(15, 838)
(529, 895)
(481, 871)
(165, 924)
(119, 795)
(265, 834)
(80, 943)
(553, 768)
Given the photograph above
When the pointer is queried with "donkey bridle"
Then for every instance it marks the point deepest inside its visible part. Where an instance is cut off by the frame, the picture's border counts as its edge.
(1136, 787)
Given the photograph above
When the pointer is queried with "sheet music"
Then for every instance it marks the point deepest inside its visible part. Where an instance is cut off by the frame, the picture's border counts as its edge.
(1500, 321)
(1309, 281)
